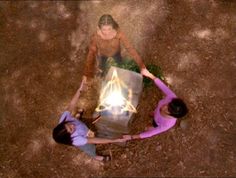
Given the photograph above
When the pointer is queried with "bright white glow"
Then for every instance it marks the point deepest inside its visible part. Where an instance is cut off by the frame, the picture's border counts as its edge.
(115, 99)
(111, 97)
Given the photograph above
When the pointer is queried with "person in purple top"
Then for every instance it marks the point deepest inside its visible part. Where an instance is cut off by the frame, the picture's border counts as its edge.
(71, 131)
(168, 110)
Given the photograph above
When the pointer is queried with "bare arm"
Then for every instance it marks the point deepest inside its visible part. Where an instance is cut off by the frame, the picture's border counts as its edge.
(72, 106)
(131, 137)
(97, 140)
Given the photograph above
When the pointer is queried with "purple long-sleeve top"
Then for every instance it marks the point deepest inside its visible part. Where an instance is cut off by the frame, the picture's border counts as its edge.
(164, 123)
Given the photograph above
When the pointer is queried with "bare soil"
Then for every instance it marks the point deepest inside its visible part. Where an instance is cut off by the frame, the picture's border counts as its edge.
(43, 47)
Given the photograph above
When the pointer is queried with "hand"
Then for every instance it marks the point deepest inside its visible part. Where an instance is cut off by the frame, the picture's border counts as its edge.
(79, 113)
(86, 84)
(120, 140)
(83, 85)
(127, 137)
(90, 133)
(146, 73)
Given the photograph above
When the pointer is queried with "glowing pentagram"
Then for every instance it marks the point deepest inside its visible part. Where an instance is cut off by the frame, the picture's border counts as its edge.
(112, 99)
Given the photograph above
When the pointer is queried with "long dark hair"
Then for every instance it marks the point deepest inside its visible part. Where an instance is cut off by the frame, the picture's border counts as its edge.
(107, 19)
(60, 134)
(177, 108)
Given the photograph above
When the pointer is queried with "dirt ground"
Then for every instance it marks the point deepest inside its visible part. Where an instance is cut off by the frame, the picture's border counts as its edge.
(43, 47)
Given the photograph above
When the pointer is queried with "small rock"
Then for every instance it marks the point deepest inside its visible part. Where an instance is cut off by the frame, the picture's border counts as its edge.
(123, 156)
(158, 148)
(184, 124)
(201, 172)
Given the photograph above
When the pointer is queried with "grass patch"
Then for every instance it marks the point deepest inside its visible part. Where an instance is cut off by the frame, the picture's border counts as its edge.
(130, 64)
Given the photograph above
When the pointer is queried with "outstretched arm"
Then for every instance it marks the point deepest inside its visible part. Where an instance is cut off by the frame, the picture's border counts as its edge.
(151, 132)
(163, 87)
(97, 140)
(74, 101)
(131, 137)
(157, 130)
(132, 51)
(160, 84)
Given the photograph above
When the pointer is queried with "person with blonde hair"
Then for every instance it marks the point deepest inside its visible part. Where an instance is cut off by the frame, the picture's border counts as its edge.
(106, 42)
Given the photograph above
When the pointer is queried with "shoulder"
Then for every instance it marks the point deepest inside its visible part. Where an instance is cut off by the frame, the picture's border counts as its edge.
(79, 141)
(170, 121)
(120, 33)
(66, 116)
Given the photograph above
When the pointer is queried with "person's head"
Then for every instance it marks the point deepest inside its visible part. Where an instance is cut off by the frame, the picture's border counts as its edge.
(62, 133)
(177, 108)
(106, 24)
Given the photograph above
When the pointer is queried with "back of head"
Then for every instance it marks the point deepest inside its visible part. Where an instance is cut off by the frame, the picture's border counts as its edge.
(177, 108)
(107, 19)
(60, 134)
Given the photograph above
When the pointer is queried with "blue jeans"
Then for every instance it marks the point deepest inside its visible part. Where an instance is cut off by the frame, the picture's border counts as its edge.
(89, 149)
(103, 62)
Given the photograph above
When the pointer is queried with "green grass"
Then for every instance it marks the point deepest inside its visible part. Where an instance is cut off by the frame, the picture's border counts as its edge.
(131, 65)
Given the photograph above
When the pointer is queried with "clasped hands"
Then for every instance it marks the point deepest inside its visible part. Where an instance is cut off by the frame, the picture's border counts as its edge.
(127, 138)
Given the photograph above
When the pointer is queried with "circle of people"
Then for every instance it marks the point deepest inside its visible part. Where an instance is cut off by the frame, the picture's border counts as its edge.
(106, 42)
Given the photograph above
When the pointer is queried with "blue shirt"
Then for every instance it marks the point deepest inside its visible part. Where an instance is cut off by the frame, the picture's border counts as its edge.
(79, 136)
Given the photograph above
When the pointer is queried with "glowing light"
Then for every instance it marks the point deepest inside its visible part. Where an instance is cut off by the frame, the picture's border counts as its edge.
(113, 100)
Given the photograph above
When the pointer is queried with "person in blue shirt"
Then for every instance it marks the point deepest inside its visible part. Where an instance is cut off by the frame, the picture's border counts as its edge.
(72, 131)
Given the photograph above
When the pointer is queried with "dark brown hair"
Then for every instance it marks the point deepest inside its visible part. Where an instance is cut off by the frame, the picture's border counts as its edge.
(60, 134)
(177, 108)
(107, 19)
